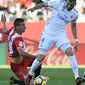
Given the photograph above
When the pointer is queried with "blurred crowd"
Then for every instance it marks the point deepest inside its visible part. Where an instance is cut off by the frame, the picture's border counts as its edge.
(17, 8)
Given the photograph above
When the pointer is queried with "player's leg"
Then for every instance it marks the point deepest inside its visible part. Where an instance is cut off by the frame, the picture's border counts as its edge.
(37, 71)
(65, 46)
(83, 76)
(72, 58)
(73, 62)
(28, 62)
(44, 45)
(20, 71)
(16, 81)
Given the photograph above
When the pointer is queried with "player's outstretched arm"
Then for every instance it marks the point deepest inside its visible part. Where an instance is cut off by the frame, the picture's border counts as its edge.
(38, 6)
(74, 32)
(23, 53)
(3, 19)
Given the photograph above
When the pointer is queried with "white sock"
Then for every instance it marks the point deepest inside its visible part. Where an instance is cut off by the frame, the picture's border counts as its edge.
(74, 66)
(34, 66)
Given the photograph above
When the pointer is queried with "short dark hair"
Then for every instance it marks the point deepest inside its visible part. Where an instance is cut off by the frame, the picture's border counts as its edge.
(17, 21)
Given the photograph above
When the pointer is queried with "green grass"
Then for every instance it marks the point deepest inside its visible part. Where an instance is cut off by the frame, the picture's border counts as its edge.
(57, 76)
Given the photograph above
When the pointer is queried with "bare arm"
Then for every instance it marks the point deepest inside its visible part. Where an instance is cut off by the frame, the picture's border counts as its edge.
(74, 31)
(38, 6)
(24, 54)
(3, 19)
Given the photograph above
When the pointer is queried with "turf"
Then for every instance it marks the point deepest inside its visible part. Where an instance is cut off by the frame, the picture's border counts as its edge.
(57, 76)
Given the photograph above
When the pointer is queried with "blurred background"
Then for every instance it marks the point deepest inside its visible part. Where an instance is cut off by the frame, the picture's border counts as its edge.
(16, 8)
(35, 24)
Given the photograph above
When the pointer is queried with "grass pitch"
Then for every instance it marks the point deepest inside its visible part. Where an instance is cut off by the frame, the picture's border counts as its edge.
(57, 76)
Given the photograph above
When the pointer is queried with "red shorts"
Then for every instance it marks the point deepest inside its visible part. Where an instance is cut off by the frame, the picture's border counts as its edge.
(21, 69)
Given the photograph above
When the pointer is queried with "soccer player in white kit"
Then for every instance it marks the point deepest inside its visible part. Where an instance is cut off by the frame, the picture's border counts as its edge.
(54, 34)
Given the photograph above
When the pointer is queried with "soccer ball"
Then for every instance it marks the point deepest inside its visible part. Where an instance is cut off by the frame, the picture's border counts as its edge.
(40, 80)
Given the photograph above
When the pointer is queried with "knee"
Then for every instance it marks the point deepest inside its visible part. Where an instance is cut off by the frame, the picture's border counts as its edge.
(41, 57)
(69, 51)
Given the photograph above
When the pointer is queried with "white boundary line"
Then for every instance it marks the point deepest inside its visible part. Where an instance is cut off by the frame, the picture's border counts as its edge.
(62, 66)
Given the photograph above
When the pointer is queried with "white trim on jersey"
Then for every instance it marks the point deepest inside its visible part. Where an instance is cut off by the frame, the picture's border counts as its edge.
(11, 39)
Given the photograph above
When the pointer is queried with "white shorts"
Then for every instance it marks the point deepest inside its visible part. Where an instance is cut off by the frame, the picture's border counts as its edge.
(46, 41)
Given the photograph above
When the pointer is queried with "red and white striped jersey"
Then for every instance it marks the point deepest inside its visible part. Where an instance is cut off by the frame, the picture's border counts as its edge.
(14, 41)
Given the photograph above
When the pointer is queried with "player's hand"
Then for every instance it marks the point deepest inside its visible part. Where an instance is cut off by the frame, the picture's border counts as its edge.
(3, 18)
(76, 46)
(29, 10)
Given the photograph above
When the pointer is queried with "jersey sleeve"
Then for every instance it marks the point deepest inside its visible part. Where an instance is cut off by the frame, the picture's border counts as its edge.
(75, 19)
(54, 4)
(9, 30)
(18, 43)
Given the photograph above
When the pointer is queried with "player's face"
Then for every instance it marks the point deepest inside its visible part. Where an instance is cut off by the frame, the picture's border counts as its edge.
(21, 27)
(70, 5)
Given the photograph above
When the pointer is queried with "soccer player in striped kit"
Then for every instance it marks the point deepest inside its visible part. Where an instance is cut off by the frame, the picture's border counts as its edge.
(20, 59)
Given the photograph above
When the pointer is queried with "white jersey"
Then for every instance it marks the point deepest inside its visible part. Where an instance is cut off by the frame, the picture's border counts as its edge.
(60, 17)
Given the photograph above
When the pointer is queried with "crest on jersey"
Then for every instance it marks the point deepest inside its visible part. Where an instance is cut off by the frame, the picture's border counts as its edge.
(20, 43)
